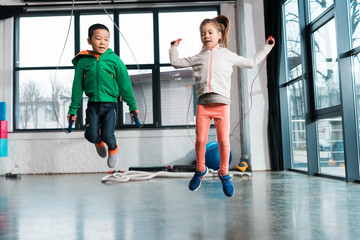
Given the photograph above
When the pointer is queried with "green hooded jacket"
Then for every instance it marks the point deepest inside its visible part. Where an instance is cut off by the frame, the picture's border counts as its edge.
(102, 79)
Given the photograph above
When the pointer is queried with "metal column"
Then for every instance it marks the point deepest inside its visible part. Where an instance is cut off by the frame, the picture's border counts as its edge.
(243, 85)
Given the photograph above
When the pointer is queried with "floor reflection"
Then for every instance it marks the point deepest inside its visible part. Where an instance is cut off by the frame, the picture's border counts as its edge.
(269, 205)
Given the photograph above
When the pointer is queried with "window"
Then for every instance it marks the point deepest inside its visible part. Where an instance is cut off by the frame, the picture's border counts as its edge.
(141, 41)
(354, 22)
(331, 147)
(292, 33)
(37, 49)
(323, 87)
(43, 95)
(317, 7)
(327, 88)
(188, 31)
(354, 16)
(356, 66)
(296, 99)
(44, 84)
(142, 86)
(297, 125)
(177, 94)
(177, 86)
(44, 98)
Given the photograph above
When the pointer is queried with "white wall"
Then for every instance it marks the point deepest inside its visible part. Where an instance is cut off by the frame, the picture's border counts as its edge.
(255, 39)
(235, 146)
(6, 65)
(70, 153)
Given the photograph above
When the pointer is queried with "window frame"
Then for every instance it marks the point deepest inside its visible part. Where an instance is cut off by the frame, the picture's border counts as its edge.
(154, 68)
(345, 110)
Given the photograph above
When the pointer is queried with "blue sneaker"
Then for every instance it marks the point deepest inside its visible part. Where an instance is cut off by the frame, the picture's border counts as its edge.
(228, 188)
(196, 180)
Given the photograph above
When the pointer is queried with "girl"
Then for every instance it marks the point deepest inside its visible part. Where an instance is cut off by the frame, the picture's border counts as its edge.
(212, 71)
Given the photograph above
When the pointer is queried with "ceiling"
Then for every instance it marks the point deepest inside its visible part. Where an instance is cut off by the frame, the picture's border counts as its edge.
(64, 2)
(9, 8)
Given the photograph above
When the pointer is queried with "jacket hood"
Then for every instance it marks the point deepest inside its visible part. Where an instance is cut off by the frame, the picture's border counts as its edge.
(88, 53)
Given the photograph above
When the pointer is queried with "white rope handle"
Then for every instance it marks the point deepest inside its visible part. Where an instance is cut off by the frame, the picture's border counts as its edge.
(144, 176)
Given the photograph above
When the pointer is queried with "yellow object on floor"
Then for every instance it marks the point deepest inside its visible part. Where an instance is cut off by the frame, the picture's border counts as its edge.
(243, 167)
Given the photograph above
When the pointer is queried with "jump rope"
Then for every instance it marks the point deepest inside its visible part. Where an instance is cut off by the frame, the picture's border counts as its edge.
(57, 68)
(121, 176)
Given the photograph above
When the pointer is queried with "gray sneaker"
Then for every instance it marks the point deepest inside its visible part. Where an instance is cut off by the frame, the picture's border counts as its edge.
(113, 158)
(101, 149)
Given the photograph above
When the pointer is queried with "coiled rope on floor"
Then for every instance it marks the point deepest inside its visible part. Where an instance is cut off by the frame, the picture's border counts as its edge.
(128, 176)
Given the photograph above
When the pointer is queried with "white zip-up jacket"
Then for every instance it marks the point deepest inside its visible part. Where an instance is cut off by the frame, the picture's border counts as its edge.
(213, 67)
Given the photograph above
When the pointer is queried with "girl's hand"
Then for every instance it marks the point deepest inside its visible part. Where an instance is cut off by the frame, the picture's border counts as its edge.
(270, 41)
(175, 43)
(73, 118)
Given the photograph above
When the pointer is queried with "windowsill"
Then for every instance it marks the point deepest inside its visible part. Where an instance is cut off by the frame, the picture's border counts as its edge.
(133, 133)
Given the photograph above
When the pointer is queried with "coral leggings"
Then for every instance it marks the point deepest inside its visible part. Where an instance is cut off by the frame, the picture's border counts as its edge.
(221, 115)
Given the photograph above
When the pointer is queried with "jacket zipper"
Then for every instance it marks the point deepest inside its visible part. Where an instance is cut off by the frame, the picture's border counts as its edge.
(210, 68)
(97, 80)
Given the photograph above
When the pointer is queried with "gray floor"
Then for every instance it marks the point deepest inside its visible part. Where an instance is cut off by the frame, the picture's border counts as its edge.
(269, 205)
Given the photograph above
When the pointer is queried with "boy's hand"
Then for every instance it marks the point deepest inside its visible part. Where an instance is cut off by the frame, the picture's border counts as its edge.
(132, 115)
(73, 118)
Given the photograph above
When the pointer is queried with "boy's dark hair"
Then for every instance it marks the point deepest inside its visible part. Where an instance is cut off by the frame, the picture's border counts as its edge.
(94, 27)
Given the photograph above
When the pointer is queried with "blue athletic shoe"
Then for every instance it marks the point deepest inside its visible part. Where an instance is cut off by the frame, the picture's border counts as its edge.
(228, 188)
(196, 180)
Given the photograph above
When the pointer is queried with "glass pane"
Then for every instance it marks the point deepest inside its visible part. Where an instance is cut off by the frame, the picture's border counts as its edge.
(319, 6)
(184, 25)
(354, 21)
(141, 41)
(44, 98)
(142, 86)
(297, 125)
(331, 147)
(327, 88)
(87, 20)
(293, 48)
(84, 101)
(42, 40)
(356, 73)
(177, 89)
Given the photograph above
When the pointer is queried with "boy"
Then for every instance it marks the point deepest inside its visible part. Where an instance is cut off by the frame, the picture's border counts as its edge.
(102, 76)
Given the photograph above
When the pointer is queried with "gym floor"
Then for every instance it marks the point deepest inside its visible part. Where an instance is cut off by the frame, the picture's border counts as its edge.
(268, 205)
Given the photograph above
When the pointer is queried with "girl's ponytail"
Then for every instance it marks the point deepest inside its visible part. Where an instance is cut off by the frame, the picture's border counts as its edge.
(224, 25)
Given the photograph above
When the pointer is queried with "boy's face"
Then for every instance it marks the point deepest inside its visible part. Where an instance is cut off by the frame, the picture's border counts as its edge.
(209, 35)
(99, 41)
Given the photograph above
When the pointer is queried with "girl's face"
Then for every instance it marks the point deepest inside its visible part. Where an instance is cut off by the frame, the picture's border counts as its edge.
(99, 41)
(210, 36)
